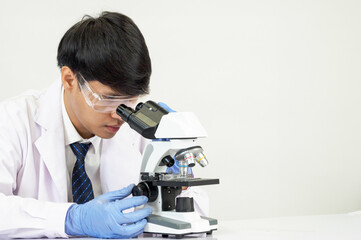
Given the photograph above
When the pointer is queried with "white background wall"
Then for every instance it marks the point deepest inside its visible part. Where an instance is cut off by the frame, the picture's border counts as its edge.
(275, 83)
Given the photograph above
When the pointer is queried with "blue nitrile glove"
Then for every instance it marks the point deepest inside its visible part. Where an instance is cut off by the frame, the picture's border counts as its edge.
(165, 106)
(102, 217)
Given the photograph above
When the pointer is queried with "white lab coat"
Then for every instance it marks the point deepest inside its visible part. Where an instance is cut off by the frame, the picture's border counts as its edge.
(33, 174)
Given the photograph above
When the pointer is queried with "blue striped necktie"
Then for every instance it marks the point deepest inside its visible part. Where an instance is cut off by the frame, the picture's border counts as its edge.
(81, 185)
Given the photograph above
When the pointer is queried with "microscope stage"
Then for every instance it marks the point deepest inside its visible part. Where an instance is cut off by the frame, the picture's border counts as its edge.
(179, 182)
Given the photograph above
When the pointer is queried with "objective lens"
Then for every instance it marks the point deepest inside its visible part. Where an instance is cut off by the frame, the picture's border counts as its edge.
(183, 168)
(202, 160)
(189, 159)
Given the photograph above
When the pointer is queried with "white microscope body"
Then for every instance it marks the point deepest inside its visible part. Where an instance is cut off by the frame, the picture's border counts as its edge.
(175, 137)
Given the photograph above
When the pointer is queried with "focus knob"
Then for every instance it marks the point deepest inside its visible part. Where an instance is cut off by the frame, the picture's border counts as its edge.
(146, 189)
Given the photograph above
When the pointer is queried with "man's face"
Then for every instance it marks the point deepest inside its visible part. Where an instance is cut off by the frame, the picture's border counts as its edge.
(86, 120)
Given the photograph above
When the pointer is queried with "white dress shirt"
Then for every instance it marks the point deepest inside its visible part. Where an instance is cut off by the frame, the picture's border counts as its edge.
(92, 158)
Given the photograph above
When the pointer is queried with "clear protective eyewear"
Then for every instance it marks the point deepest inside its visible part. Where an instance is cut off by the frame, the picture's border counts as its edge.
(103, 103)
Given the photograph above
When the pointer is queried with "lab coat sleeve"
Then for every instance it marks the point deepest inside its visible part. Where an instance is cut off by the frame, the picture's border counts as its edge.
(31, 218)
(22, 217)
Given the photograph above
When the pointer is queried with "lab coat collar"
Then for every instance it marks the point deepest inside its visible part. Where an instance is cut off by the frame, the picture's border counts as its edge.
(51, 142)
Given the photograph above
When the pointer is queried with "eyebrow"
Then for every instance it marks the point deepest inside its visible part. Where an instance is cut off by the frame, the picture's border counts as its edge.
(117, 94)
(107, 92)
(110, 94)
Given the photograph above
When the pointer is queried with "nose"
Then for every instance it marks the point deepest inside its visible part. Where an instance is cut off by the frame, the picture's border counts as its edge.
(115, 115)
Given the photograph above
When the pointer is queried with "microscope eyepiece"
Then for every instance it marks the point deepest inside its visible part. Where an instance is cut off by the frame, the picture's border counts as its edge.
(124, 112)
(144, 119)
(139, 106)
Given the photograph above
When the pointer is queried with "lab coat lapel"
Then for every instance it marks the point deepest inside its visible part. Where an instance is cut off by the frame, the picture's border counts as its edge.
(51, 143)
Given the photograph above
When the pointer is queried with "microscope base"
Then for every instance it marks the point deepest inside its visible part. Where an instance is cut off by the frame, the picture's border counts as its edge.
(179, 224)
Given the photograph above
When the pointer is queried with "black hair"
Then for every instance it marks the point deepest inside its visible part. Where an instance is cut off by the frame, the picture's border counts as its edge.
(110, 49)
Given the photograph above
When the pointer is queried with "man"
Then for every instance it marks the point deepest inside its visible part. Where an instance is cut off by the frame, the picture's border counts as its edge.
(64, 153)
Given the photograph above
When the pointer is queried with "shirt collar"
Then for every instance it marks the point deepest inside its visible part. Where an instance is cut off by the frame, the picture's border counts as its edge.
(71, 134)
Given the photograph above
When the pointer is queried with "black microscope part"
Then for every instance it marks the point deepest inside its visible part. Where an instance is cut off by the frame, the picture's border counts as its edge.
(184, 204)
(167, 161)
(144, 119)
(146, 189)
(169, 195)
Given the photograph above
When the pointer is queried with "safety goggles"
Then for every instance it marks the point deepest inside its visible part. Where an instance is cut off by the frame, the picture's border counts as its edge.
(103, 103)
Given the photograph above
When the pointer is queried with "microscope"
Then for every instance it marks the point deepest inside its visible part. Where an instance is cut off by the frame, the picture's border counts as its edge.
(173, 137)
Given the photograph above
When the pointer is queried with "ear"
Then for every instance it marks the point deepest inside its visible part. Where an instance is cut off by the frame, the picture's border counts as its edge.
(68, 79)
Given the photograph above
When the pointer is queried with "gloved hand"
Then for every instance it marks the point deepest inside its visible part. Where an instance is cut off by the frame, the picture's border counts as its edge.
(103, 217)
(165, 106)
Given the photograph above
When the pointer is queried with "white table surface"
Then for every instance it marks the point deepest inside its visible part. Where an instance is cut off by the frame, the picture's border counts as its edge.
(340, 226)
